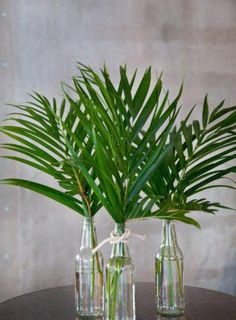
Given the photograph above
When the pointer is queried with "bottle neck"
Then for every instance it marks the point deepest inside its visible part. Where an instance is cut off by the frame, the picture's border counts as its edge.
(89, 238)
(120, 249)
(168, 234)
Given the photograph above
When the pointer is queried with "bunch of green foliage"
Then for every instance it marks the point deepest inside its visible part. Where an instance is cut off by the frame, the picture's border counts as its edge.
(117, 146)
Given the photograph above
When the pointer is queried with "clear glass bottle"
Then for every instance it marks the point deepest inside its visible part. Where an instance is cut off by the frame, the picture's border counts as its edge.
(89, 289)
(169, 274)
(120, 281)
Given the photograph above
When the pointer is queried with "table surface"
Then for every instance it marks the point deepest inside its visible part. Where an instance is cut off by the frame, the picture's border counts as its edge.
(58, 304)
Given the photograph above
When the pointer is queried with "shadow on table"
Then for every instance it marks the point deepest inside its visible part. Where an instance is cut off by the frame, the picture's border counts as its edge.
(88, 318)
(158, 318)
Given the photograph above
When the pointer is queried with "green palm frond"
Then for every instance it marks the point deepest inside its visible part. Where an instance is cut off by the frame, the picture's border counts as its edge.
(201, 155)
(36, 139)
(129, 128)
(105, 144)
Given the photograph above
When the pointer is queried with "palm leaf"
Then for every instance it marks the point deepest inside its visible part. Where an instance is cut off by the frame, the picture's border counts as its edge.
(195, 162)
(129, 133)
(40, 143)
(49, 192)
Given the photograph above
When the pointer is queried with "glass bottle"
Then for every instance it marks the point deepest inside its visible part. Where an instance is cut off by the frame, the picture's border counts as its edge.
(169, 274)
(89, 289)
(120, 281)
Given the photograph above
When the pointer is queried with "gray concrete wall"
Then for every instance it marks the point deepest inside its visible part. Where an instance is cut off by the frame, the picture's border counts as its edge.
(40, 42)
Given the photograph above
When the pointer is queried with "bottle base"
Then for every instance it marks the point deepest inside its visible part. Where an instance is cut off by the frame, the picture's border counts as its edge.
(86, 316)
(170, 313)
(124, 318)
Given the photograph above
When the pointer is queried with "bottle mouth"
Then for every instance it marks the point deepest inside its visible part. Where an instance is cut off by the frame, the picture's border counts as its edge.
(119, 229)
(88, 219)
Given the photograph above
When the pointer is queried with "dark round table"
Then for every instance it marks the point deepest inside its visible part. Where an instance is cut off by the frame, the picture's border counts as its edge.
(58, 304)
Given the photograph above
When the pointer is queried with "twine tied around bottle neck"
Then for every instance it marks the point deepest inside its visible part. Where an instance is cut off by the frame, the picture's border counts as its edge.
(113, 239)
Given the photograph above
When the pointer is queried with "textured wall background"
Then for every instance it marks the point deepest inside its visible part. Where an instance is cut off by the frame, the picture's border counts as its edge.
(39, 44)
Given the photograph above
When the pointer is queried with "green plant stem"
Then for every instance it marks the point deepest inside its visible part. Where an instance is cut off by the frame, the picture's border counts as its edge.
(95, 265)
(170, 282)
(83, 194)
(179, 271)
(113, 286)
